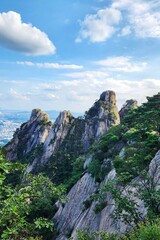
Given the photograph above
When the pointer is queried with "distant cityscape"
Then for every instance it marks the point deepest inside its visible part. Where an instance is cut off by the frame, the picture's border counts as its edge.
(9, 122)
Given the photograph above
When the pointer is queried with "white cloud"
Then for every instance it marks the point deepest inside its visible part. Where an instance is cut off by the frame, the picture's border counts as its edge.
(147, 25)
(125, 31)
(80, 93)
(48, 87)
(15, 95)
(50, 96)
(125, 89)
(122, 64)
(51, 65)
(77, 94)
(143, 16)
(100, 26)
(140, 17)
(23, 37)
(87, 74)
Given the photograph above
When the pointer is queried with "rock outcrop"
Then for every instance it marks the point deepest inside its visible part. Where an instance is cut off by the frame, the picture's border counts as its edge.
(53, 148)
(53, 141)
(154, 170)
(129, 105)
(79, 211)
(100, 117)
(39, 141)
(31, 135)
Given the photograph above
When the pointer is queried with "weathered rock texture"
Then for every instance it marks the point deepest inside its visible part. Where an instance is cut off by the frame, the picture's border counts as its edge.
(154, 170)
(52, 148)
(75, 216)
(31, 135)
(40, 142)
(100, 117)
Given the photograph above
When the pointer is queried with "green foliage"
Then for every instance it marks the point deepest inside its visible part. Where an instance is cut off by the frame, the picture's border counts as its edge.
(100, 206)
(87, 235)
(60, 166)
(103, 148)
(138, 155)
(99, 170)
(150, 194)
(126, 207)
(138, 135)
(27, 208)
(147, 231)
(147, 116)
(125, 198)
(87, 203)
(95, 168)
(77, 171)
(144, 231)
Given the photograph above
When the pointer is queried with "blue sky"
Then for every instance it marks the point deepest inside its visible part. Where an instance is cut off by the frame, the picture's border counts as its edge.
(62, 54)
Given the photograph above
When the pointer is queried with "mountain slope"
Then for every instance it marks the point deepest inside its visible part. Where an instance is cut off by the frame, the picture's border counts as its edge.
(111, 170)
(53, 147)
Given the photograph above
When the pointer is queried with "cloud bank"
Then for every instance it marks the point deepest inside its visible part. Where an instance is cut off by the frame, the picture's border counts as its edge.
(23, 37)
(122, 64)
(124, 17)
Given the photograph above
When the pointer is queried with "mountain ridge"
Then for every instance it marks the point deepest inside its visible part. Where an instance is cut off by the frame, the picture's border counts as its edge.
(87, 153)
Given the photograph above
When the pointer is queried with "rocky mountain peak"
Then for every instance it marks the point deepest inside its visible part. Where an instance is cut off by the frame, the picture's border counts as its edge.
(72, 136)
(64, 117)
(129, 105)
(105, 108)
(30, 135)
(100, 117)
(38, 115)
(107, 95)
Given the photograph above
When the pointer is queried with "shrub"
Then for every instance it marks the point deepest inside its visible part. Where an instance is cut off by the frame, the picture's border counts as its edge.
(148, 231)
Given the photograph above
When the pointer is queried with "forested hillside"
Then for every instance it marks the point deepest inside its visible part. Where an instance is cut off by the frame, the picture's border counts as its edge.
(87, 178)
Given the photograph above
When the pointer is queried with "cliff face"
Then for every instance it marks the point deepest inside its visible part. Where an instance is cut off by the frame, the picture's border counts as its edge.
(100, 117)
(54, 148)
(31, 135)
(76, 215)
(40, 141)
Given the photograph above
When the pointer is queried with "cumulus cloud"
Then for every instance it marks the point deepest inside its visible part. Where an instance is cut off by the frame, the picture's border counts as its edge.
(142, 15)
(125, 89)
(100, 26)
(50, 65)
(16, 95)
(122, 64)
(79, 93)
(82, 90)
(139, 17)
(23, 37)
(126, 31)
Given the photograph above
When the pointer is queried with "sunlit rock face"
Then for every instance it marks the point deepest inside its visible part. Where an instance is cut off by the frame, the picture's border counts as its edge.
(40, 143)
(29, 136)
(76, 215)
(100, 117)
(38, 140)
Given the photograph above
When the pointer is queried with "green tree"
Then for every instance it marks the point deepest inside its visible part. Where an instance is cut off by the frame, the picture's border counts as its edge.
(27, 208)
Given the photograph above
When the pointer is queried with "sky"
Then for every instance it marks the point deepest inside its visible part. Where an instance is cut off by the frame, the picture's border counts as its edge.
(61, 55)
